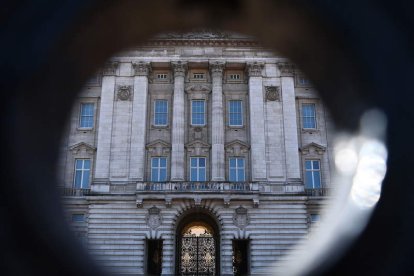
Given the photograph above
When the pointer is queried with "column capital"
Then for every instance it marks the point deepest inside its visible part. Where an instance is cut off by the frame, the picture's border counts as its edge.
(141, 68)
(217, 68)
(254, 69)
(179, 68)
(286, 69)
(110, 68)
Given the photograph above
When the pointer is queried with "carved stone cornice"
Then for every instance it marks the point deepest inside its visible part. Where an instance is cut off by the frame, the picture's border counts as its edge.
(217, 68)
(286, 69)
(237, 148)
(124, 92)
(179, 68)
(198, 87)
(141, 68)
(254, 69)
(197, 147)
(312, 149)
(82, 147)
(110, 68)
(158, 148)
(272, 93)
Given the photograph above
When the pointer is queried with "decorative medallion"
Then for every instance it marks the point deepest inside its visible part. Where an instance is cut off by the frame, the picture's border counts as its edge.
(272, 93)
(154, 217)
(240, 218)
(124, 92)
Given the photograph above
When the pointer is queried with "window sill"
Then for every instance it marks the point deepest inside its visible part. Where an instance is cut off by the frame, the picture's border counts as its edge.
(160, 127)
(310, 130)
(85, 129)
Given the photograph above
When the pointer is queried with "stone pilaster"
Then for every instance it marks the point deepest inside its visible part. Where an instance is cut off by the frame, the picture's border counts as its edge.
(217, 126)
(257, 127)
(287, 71)
(105, 121)
(139, 121)
(178, 128)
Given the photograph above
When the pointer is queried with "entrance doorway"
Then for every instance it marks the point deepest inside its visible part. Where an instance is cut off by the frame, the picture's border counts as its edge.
(240, 257)
(197, 246)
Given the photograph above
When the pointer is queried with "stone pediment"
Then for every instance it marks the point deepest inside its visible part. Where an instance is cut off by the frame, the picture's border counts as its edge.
(197, 147)
(198, 87)
(82, 146)
(312, 148)
(237, 147)
(158, 147)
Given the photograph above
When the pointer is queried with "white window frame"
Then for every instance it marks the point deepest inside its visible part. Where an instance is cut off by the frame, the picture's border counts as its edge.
(159, 168)
(204, 113)
(155, 112)
(303, 115)
(197, 167)
(82, 171)
(81, 116)
(241, 113)
(237, 169)
(312, 170)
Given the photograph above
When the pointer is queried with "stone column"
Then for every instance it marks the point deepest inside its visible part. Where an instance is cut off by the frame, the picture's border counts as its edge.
(257, 124)
(105, 121)
(289, 121)
(217, 125)
(177, 153)
(139, 121)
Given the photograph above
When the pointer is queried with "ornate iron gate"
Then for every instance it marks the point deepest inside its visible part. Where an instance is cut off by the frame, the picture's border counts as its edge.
(198, 255)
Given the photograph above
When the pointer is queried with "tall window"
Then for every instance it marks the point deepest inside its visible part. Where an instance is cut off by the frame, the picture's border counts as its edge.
(236, 169)
(308, 116)
(161, 113)
(312, 174)
(82, 173)
(198, 112)
(198, 169)
(86, 115)
(235, 113)
(158, 169)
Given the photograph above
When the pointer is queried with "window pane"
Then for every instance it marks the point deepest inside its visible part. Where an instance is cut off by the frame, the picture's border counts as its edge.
(78, 179)
(154, 175)
(240, 176)
(193, 162)
(232, 162)
(233, 176)
(240, 162)
(315, 165)
(308, 179)
(202, 175)
(79, 164)
(193, 174)
(317, 179)
(154, 162)
(308, 164)
(202, 162)
(85, 180)
(163, 175)
(161, 112)
(86, 164)
(163, 162)
(235, 113)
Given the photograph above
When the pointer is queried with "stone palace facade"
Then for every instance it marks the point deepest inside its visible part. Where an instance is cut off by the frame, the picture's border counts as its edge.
(195, 154)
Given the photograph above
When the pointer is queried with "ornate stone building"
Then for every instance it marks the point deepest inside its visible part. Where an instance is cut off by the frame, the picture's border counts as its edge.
(195, 154)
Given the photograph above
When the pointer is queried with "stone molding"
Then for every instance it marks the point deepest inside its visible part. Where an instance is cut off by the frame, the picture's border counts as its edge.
(141, 68)
(272, 93)
(286, 69)
(179, 68)
(124, 92)
(110, 68)
(237, 148)
(217, 68)
(254, 69)
(158, 148)
(203, 88)
(76, 148)
(312, 148)
(198, 147)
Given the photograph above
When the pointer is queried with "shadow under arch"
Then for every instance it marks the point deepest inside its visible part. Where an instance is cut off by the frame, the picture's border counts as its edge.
(197, 216)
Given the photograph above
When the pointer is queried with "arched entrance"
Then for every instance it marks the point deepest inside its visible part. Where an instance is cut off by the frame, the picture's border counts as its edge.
(197, 245)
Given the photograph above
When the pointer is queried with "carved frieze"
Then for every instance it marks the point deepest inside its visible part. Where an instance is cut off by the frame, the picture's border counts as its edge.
(82, 148)
(254, 69)
(141, 68)
(154, 217)
(198, 87)
(110, 68)
(286, 69)
(240, 217)
(312, 148)
(197, 147)
(124, 93)
(237, 148)
(272, 93)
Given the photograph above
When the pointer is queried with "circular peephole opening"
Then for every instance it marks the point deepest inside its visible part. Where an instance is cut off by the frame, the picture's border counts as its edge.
(212, 123)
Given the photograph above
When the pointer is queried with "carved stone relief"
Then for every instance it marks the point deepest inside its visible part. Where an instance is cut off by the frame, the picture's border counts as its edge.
(272, 93)
(141, 68)
(254, 69)
(286, 69)
(124, 93)
(158, 148)
(110, 68)
(154, 218)
(198, 148)
(240, 217)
